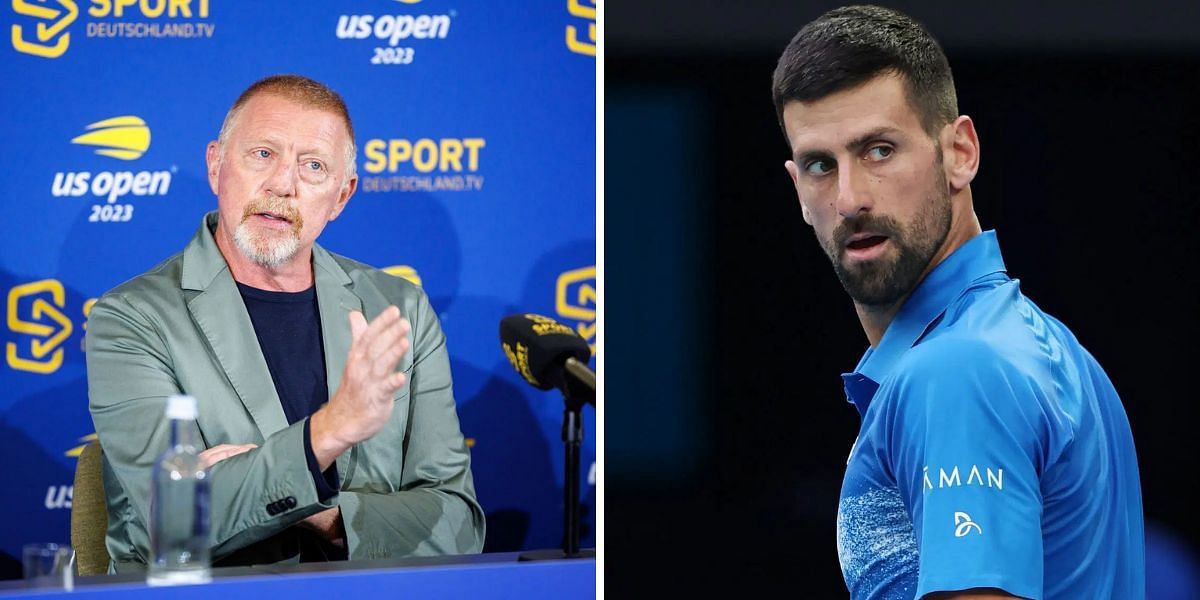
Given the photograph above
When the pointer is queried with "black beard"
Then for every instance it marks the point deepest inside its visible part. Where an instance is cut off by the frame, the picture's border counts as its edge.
(882, 282)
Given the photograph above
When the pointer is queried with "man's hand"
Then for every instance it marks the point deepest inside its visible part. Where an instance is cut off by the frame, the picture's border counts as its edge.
(327, 524)
(221, 452)
(363, 403)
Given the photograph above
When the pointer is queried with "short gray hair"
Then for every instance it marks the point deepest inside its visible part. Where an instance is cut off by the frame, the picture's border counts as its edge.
(304, 91)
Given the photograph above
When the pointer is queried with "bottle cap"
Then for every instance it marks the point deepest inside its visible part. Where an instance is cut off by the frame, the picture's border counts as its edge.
(181, 407)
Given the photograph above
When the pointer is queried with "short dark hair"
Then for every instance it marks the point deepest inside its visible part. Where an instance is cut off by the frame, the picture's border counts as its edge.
(848, 46)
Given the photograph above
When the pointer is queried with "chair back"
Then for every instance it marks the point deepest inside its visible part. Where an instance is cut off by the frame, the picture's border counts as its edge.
(89, 513)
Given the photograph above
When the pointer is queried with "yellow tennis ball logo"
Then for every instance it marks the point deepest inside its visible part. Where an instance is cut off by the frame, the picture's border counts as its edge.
(126, 137)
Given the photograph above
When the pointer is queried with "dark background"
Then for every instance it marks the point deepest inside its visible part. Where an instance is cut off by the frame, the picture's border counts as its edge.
(726, 428)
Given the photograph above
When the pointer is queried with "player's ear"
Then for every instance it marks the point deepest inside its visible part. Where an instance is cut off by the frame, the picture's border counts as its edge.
(794, 172)
(960, 152)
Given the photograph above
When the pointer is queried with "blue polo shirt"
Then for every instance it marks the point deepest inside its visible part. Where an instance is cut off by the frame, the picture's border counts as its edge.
(994, 451)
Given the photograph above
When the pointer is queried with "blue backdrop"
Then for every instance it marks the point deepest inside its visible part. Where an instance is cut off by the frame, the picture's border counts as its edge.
(475, 126)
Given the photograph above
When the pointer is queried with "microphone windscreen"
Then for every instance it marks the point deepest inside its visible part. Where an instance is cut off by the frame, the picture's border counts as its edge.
(538, 346)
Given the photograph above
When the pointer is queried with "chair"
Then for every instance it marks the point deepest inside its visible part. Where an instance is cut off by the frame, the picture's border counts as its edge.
(89, 513)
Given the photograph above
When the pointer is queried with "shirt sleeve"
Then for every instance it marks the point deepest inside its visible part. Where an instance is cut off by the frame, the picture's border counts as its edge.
(968, 441)
(327, 483)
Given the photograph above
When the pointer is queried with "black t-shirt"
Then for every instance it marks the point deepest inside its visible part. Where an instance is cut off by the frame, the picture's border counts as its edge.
(288, 328)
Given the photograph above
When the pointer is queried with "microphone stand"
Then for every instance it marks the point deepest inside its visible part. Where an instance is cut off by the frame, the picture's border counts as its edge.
(575, 395)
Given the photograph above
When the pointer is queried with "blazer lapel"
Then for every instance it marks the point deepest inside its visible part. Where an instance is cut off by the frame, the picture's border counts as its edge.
(335, 301)
(218, 310)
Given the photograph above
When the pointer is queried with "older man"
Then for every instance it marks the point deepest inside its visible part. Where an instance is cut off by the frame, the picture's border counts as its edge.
(327, 435)
(995, 459)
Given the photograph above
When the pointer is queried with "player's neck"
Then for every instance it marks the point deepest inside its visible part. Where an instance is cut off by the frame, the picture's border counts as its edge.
(875, 320)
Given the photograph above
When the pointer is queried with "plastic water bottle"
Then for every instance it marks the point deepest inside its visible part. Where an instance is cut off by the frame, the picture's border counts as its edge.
(179, 501)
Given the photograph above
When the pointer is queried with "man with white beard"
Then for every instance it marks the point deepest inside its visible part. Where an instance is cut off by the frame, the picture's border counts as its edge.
(326, 411)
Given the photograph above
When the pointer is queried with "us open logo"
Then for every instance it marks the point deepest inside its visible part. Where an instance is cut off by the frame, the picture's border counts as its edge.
(124, 138)
(397, 36)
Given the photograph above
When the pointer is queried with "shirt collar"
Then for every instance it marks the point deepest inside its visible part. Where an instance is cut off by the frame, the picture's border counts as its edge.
(977, 258)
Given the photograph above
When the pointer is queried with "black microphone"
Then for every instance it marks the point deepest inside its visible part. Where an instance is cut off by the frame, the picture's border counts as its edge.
(548, 355)
(545, 352)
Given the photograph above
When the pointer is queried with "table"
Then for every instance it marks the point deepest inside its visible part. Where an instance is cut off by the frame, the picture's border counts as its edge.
(479, 577)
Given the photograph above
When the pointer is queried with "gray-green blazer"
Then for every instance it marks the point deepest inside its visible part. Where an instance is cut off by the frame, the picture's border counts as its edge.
(182, 328)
